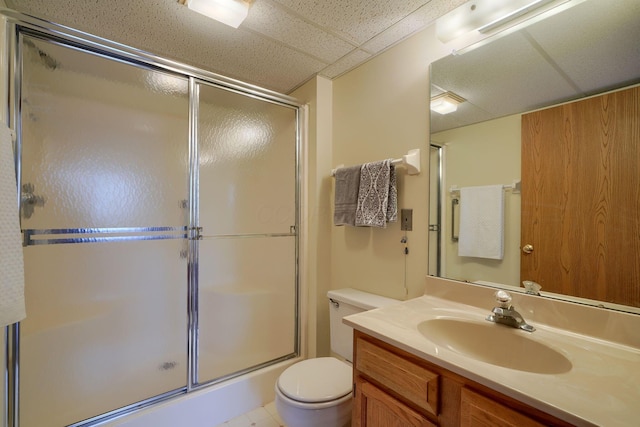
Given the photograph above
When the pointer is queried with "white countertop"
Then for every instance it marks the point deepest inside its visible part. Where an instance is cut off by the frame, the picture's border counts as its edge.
(601, 389)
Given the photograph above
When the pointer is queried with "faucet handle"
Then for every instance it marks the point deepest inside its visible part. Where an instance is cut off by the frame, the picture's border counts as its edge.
(503, 298)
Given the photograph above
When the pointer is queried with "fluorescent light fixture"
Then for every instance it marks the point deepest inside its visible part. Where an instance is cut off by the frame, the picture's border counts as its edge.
(484, 16)
(446, 102)
(513, 15)
(229, 12)
(518, 23)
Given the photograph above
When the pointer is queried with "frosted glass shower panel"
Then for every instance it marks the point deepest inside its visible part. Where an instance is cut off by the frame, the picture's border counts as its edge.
(104, 143)
(106, 327)
(247, 304)
(247, 149)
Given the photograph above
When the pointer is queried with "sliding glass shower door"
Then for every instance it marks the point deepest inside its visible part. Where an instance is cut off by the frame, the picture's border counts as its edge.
(104, 190)
(247, 214)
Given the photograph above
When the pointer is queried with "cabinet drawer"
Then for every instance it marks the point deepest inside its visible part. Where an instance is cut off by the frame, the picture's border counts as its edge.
(478, 410)
(414, 383)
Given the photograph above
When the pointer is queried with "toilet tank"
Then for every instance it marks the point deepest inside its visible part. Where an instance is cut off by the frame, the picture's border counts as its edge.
(344, 302)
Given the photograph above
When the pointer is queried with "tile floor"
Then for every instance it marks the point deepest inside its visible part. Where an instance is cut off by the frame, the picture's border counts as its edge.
(265, 416)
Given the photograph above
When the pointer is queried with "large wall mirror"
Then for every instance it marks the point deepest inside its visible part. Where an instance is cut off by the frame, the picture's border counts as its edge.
(563, 62)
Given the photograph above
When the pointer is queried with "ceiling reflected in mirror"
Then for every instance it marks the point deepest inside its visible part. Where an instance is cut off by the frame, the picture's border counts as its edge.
(585, 50)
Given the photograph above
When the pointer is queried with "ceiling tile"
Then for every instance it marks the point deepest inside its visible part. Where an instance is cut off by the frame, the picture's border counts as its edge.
(612, 37)
(246, 56)
(418, 20)
(421, 18)
(345, 64)
(396, 33)
(356, 20)
(275, 22)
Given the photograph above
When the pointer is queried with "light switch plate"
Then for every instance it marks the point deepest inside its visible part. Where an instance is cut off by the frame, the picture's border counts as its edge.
(406, 219)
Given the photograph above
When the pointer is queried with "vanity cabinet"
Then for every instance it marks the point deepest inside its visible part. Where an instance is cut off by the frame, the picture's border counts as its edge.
(395, 388)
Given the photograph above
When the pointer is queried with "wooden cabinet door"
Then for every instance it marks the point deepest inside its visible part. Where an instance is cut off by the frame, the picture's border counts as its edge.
(375, 408)
(479, 411)
(580, 198)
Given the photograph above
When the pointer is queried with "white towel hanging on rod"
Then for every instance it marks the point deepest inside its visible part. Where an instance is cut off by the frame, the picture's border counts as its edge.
(411, 160)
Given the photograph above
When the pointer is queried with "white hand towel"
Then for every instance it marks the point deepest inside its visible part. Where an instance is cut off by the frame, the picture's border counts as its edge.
(12, 307)
(481, 222)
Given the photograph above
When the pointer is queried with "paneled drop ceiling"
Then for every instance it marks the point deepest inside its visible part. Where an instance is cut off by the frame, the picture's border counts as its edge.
(281, 45)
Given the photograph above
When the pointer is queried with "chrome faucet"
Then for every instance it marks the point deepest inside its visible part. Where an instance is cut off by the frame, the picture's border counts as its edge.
(505, 314)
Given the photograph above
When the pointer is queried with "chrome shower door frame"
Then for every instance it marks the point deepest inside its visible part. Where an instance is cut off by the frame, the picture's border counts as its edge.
(17, 25)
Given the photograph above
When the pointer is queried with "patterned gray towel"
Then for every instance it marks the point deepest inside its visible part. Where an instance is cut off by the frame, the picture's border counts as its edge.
(377, 196)
(392, 205)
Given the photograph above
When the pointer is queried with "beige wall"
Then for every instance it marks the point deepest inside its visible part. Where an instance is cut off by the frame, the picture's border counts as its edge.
(377, 111)
(317, 95)
(381, 110)
(486, 153)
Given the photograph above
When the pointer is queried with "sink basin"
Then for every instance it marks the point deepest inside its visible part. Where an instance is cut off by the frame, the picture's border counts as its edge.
(495, 344)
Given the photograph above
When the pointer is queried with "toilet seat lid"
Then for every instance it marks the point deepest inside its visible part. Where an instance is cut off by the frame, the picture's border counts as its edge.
(316, 380)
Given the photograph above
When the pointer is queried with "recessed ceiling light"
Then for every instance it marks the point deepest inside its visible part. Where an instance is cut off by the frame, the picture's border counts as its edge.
(446, 102)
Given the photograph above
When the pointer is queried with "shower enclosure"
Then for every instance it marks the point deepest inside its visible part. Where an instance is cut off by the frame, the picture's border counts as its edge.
(159, 209)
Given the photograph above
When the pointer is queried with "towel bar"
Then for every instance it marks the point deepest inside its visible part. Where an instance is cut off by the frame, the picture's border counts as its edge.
(454, 202)
(515, 187)
(411, 160)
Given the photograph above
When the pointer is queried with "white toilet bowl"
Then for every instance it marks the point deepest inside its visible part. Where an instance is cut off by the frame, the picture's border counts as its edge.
(315, 393)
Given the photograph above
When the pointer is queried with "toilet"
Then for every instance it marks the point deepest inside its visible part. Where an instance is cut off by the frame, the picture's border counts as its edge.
(317, 392)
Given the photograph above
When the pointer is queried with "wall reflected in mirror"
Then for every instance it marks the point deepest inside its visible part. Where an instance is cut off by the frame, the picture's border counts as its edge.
(586, 50)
